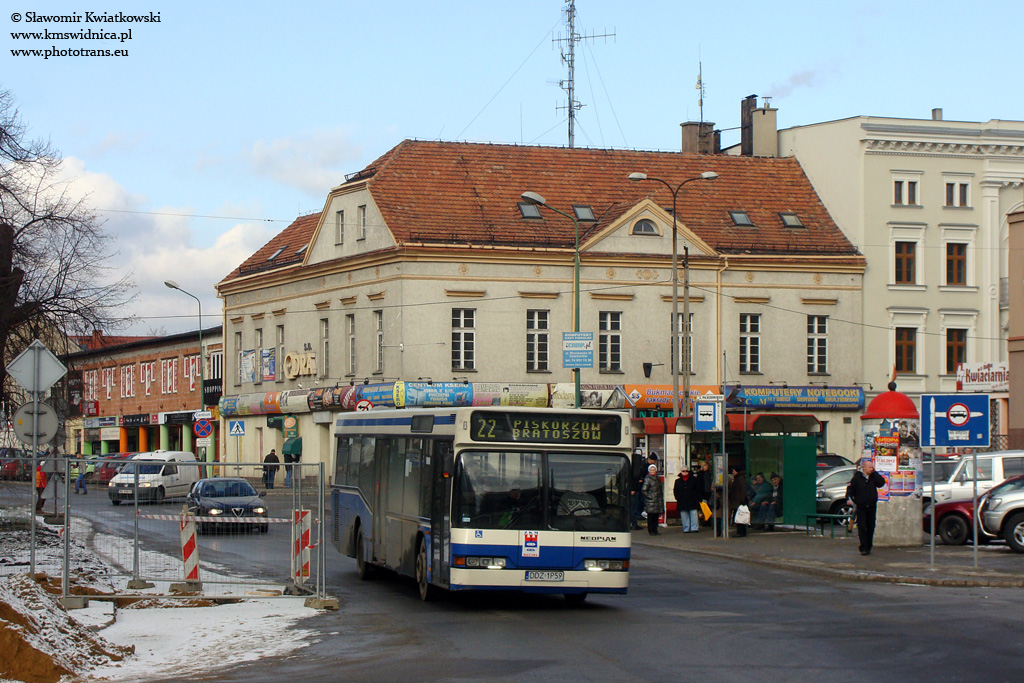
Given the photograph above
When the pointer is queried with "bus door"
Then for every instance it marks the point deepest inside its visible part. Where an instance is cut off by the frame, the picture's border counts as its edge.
(380, 497)
(442, 470)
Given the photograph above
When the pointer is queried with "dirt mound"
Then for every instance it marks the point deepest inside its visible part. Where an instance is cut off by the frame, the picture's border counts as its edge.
(40, 642)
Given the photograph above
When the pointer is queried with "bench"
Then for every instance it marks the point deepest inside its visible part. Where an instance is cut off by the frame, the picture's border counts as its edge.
(817, 520)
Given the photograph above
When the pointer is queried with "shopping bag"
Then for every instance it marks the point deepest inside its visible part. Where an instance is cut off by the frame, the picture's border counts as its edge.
(705, 511)
(742, 515)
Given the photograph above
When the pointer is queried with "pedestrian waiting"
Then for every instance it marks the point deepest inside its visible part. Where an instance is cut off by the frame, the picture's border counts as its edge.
(688, 490)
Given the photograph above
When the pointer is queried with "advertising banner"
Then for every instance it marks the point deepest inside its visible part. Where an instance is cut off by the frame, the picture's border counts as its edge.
(659, 396)
(802, 398)
(521, 395)
(381, 395)
(431, 395)
(594, 396)
(247, 366)
(983, 377)
(269, 365)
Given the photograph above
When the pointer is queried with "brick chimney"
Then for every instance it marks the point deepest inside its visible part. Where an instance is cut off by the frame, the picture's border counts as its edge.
(759, 133)
(700, 137)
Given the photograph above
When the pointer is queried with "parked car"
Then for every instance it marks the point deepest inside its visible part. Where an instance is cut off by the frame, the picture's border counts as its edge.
(160, 476)
(15, 464)
(952, 522)
(828, 461)
(1002, 512)
(229, 498)
(110, 465)
(992, 468)
(831, 491)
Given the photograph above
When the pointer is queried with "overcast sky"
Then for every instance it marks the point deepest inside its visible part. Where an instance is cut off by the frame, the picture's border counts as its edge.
(228, 119)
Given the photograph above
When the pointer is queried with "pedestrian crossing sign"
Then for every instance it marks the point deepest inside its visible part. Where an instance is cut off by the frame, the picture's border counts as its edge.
(236, 427)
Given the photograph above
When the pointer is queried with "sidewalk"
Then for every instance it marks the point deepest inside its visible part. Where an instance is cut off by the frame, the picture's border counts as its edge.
(840, 558)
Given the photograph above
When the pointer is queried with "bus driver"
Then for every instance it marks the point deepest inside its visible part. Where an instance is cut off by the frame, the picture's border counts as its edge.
(576, 500)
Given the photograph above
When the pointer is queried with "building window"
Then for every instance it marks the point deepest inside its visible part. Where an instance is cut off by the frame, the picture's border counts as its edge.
(645, 226)
(904, 192)
(905, 273)
(956, 349)
(350, 330)
(325, 348)
(791, 220)
(740, 218)
(957, 194)
(906, 350)
(463, 339)
(528, 210)
(609, 341)
(259, 358)
(279, 360)
(378, 324)
(750, 342)
(536, 341)
(238, 356)
(817, 344)
(361, 217)
(683, 342)
(339, 227)
(956, 264)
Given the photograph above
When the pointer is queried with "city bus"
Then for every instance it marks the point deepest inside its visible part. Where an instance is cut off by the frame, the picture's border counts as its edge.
(526, 499)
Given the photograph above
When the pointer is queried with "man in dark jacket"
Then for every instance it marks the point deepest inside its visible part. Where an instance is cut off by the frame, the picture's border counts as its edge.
(688, 491)
(863, 492)
(270, 465)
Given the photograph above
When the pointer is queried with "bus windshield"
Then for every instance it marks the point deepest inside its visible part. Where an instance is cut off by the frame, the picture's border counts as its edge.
(531, 491)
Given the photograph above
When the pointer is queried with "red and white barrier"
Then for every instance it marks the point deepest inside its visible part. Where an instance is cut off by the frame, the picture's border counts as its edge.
(300, 545)
(223, 519)
(189, 548)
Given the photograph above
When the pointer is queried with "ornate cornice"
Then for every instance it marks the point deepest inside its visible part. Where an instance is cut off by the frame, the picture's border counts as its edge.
(941, 149)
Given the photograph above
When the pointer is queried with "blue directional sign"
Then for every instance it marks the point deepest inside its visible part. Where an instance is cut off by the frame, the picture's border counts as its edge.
(577, 349)
(707, 416)
(954, 420)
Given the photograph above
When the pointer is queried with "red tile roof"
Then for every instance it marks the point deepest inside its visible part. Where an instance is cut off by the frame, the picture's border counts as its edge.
(97, 340)
(288, 242)
(468, 193)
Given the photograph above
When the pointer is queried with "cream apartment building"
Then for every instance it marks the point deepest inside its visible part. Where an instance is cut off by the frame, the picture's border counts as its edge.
(926, 202)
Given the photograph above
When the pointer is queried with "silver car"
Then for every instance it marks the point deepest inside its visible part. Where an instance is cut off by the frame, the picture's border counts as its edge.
(1002, 512)
(831, 491)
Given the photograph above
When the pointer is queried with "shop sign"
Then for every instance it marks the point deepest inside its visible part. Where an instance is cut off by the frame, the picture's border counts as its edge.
(659, 396)
(177, 418)
(983, 378)
(110, 434)
(92, 435)
(213, 389)
(291, 426)
(787, 398)
(300, 364)
(140, 420)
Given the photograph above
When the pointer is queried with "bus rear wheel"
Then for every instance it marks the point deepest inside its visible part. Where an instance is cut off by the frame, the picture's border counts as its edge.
(427, 591)
(363, 568)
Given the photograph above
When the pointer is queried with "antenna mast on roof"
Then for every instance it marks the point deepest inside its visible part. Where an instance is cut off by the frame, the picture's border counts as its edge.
(569, 59)
(700, 89)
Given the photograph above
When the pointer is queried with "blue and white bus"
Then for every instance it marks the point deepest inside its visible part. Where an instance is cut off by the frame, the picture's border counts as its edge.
(525, 499)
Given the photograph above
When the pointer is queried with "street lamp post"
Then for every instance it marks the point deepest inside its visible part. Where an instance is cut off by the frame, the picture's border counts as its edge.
(706, 175)
(202, 398)
(537, 200)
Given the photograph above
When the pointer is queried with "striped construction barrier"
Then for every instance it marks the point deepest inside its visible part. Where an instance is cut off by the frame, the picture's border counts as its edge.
(300, 544)
(189, 548)
(221, 519)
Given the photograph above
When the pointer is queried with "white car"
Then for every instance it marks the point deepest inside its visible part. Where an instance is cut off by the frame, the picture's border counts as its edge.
(161, 474)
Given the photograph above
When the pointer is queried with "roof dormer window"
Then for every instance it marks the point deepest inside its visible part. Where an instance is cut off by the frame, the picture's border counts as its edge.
(301, 250)
(790, 219)
(276, 254)
(583, 213)
(645, 226)
(529, 210)
(741, 218)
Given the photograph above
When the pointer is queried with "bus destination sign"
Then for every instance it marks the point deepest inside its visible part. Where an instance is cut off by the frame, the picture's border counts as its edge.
(565, 428)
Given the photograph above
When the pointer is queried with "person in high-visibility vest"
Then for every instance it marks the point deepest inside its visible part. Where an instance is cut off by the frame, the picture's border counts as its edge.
(40, 487)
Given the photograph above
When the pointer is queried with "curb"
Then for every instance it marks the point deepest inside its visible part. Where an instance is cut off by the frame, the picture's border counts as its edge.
(796, 565)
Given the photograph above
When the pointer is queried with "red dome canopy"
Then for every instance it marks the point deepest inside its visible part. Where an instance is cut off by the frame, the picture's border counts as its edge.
(891, 404)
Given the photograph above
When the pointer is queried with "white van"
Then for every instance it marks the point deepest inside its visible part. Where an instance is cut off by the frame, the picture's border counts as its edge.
(993, 468)
(159, 477)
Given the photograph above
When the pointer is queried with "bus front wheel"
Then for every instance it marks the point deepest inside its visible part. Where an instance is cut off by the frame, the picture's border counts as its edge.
(363, 568)
(427, 591)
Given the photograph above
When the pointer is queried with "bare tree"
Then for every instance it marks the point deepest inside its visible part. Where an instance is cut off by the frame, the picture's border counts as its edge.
(53, 281)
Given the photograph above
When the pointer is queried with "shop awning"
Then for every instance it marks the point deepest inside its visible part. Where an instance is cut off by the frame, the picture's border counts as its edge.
(656, 425)
(292, 446)
(773, 423)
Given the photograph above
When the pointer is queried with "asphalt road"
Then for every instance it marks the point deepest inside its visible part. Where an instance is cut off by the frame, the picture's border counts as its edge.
(686, 618)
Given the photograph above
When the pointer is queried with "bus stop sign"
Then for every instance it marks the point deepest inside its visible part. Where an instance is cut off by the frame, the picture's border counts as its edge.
(955, 420)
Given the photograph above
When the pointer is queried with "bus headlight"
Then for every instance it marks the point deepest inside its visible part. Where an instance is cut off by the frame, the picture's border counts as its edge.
(480, 562)
(605, 565)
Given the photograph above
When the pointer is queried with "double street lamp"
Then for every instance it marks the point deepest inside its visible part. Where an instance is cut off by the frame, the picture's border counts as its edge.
(706, 175)
(202, 398)
(535, 199)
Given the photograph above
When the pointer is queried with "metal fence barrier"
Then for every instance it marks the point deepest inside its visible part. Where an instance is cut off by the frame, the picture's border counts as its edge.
(167, 528)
